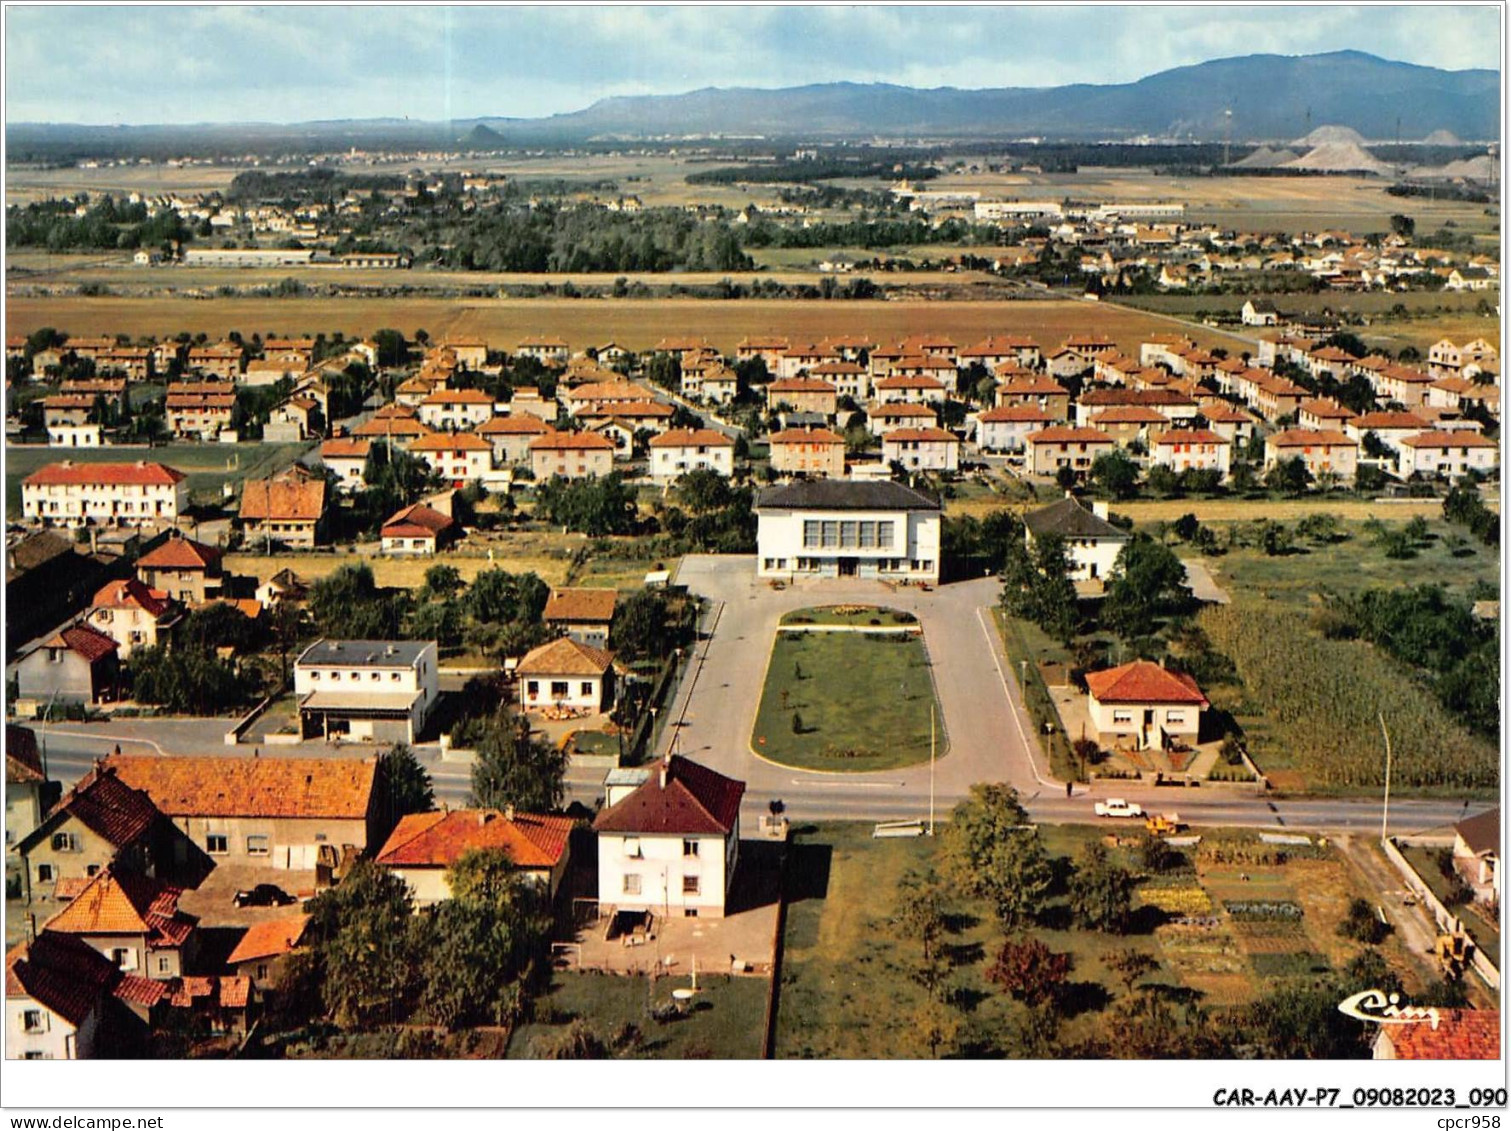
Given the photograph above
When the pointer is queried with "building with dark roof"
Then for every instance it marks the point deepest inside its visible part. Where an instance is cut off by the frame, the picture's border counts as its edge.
(1092, 544)
(77, 664)
(671, 845)
(376, 690)
(1477, 854)
(846, 528)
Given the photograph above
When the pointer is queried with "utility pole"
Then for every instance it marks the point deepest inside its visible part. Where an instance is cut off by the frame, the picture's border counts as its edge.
(1385, 813)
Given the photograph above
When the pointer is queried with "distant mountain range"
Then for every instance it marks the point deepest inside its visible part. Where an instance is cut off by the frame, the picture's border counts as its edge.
(1271, 98)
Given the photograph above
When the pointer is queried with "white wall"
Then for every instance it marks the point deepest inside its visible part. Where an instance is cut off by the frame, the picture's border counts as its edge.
(915, 538)
(661, 867)
(55, 1041)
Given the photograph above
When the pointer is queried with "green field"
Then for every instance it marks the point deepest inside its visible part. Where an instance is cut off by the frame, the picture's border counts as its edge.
(861, 702)
(208, 466)
(725, 1022)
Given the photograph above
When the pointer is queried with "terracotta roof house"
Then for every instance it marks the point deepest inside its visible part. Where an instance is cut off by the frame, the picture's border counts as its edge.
(807, 451)
(132, 614)
(98, 823)
(1477, 854)
(585, 615)
(671, 845)
(133, 920)
(66, 1001)
(260, 953)
(566, 675)
(105, 494)
(1144, 702)
(79, 664)
(1455, 1034)
(675, 453)
(424, 845)
(418, 529)
(1064, 447)
(287, 508)
(186, 570)
(268, 811)
(571, 455)
(511, 436)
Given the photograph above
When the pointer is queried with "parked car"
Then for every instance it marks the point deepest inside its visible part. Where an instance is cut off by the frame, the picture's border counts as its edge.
(264, 895)
(1117, 807)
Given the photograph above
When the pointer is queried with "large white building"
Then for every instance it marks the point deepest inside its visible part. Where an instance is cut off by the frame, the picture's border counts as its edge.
(675, 453)
(670, 847)
(377, 690)
(844, 528)
(106, 494)
(1450, 454)
(921, 449)
(1091, 542)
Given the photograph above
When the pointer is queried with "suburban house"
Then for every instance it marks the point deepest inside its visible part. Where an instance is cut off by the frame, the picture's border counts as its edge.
(418, 529)
(571, 455)
(261, 954)
(424, 845)
(28, 793)
(1194, 449)
(1233, 424)
(1125, 424)
(921, 449)
(132, 614)
(585, 615)
(1325, 452)
(348, 459)
(675, 453)
(510, 436)
(671, 846)
(1455, 1034)
(1448, 454)
(804, 394)
(78, 664)
(1323, 412)
(133, 920)
(1091, 542)
(807, 451)
(547, 351)
(272, 812)
(186, 570)
(1260, 312)
(287, 508)
(1061, 446)
(71, 494)
(566, 675)
(457, 457)
(1403, 385)
(845, 528)
(1390, 428)
(1477, 854)
(199, 415)
(366, 690)
(398, 429)
(910, 389)
(1145, 702)
(455, 410)
(900, 414)
(98, 823)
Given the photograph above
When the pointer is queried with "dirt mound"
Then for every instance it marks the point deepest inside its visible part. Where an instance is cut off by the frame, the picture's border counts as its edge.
(1442, 137)
(1340, 157)
(1330, 135)
(1265, 158)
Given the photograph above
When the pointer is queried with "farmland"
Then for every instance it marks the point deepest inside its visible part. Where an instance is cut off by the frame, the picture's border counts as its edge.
(634, 323)
(1212, 926)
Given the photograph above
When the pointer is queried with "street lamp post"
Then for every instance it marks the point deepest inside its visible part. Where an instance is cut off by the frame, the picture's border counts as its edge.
(1385, 810)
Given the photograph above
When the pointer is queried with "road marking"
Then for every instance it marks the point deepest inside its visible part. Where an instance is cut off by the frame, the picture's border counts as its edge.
(117, 739)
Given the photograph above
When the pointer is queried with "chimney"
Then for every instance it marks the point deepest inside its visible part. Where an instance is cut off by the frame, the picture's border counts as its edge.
(1099, 508)
(509, 812)
(665, 765)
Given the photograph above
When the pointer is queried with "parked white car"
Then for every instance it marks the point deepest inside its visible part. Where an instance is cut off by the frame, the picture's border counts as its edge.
(1117, 807)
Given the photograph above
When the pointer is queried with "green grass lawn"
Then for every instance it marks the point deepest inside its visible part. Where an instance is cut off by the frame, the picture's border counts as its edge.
(208, 466)
(725, 1022)
(863, 703)
(1424, 860)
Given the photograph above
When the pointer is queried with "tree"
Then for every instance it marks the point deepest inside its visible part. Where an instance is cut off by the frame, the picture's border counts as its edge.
(1362, 924)
(406, 782)
(1101, 892)
(922, 899)
(1130, 965)
(990, 853)
(393, 350)
(1368, 970)
(1147, 580)
(595, 506)
(1030, 971)
(442, 581)
(190, 680)
(347, 604)
(641, 628)
(1302, 1022)
(1115, 474)
(361, 940)
(1163, 480)
(1403, 225)
(499, 597)
(1288, 476)
(703, 490)
(512, 768)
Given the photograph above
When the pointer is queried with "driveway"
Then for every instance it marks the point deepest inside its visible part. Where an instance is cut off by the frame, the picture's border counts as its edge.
(718, 701)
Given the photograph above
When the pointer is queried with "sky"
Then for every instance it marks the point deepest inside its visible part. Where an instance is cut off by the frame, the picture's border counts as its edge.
(231, 63)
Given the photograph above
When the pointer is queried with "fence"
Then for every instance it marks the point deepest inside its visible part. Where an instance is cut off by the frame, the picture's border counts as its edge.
(1446, 921)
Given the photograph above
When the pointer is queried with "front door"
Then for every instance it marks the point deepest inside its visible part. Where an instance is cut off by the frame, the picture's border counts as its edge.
(849, 567)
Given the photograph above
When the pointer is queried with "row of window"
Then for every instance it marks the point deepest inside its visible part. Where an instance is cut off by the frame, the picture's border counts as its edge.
(691, 885)
(633, 851)
(1172, 718)
(372, 677)
(848, 534)
(560, 688)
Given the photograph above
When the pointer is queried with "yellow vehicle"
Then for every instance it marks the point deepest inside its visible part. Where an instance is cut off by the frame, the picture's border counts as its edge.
(1452, 952)
(1163, 824)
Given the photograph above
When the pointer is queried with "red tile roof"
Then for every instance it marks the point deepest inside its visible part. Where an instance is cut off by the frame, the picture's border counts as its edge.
(922, 435)
(284, 497)
(23, 762)
(1015, 414)
(571, 441)
(691, 438)
(438, 840)
(131, 593)
(62, 973)
(179, 552)
(565, 657)
(126, 903)
(805, 436)
(1067, 435)
(1460, 439)
(87, 642)
(679, 797)
(1144, 682)
(68, 473)
(523, 425)
(1460, 1034)
(593, 606)
(800, 385)
(1304, 438)
(107, 806)
(268, 939)
(418, 521)
(213, 786)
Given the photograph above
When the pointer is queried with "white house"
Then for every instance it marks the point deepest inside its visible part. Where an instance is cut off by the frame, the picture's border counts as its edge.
(566, 674)
(1450, 454)
(58, 990)
(511, 436)
(1145, 702)
(456, 410)
(132, 614)
(1092, 543)
(1324, 452)
(459, 457)
(348, 459)
(1260, 312)
(671, 846)
(922, 449)
(423, 846)
(1006, 428)
(675, 453)
(371, 690)
(844, 528)
(73, 435)
(127, 494)
(1476, 854)
(1198, 449)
